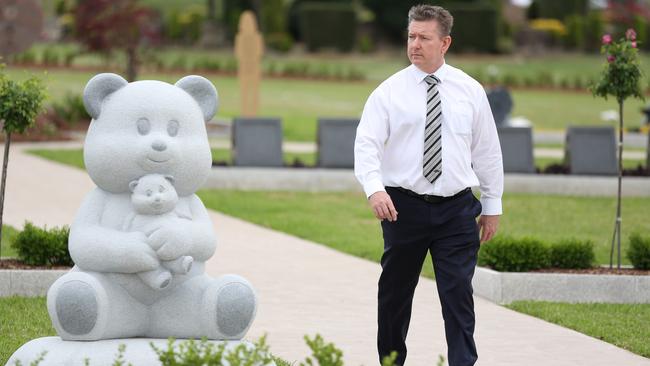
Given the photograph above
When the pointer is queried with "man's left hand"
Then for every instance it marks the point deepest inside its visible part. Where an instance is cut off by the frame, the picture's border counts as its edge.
(488, 225)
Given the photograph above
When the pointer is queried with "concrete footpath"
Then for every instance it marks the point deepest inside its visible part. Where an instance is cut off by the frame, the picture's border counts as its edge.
(306, 288)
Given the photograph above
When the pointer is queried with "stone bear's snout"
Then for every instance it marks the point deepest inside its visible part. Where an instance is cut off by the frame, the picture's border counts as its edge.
(159, 145)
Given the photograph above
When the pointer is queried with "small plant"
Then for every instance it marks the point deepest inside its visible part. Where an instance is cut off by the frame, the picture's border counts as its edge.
(639, 251)
(515, 255)
(572, 253)
(43, 247)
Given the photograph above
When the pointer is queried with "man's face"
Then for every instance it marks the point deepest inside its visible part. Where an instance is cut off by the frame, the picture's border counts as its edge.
(426, 48)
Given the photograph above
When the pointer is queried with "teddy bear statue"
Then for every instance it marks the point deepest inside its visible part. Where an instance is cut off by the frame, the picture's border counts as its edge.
(141, 130)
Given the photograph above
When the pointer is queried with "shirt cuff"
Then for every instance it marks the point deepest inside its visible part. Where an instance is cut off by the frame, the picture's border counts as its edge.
(491, 206)
(373, 186)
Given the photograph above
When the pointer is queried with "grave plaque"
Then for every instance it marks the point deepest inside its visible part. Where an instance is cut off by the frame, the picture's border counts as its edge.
(501, 105)
(257, 142)
(336, 142)
(591, 150)
(517, 149)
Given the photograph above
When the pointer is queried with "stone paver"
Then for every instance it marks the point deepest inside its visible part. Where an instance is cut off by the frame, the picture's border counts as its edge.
(306, 288)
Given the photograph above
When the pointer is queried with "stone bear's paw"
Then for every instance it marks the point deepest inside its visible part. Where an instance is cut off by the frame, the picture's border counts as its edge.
(233, 303)
(75, 303)
(76, 308)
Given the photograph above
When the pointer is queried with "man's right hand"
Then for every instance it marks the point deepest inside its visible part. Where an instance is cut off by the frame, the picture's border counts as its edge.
(382, 206)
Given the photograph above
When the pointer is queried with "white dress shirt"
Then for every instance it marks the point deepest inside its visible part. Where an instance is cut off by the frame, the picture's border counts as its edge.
(389, 146)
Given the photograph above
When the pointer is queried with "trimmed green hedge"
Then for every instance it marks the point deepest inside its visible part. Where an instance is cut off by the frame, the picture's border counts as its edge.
(506, 254)
(638, 251)
(328, 25)
(43, 247)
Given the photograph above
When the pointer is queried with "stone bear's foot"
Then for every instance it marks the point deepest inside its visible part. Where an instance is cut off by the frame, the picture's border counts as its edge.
(85, 306)
(74, 305)
(233, 303)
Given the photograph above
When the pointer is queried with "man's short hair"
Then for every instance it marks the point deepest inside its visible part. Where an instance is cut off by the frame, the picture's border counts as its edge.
(425, 12)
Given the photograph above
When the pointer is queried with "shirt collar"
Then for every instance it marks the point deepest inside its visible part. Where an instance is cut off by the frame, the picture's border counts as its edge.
(419, 75)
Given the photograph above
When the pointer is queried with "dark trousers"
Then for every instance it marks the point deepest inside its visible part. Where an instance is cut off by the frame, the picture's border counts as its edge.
(448, 231)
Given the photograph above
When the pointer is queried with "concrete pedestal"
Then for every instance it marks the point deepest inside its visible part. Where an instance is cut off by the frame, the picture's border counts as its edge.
(138, 351)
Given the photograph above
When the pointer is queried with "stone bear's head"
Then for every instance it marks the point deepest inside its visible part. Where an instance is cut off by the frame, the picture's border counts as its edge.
(148, 127)
(153, 194)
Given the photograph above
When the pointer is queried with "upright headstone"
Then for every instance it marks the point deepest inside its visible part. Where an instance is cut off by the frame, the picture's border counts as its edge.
(591, 150)
(517, 149)
(336, 142)
(21, 22)
(257, 142)
(501, 105)
(249, 49)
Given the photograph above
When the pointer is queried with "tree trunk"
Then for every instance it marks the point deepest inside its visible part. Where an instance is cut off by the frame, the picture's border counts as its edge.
(132, 66)
(5, 162)
(616, 239)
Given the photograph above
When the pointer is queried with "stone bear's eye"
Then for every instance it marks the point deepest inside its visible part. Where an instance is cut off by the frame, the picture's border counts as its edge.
(161, 189)
(149, 192)
(172, 128)
(143, 126)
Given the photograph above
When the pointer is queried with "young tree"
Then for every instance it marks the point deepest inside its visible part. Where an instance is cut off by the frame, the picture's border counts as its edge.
(20, 102)
(620, 78)
(106, 25)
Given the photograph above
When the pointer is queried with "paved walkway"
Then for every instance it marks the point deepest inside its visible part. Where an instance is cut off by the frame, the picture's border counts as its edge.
(305, 288)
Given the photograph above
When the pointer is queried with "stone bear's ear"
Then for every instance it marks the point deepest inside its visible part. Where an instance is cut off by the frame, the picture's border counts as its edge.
(98, 88)
(202, 90)
(170, 179)
(132, 185)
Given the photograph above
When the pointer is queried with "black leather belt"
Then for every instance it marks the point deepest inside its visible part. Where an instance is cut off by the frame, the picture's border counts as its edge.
(429, 197)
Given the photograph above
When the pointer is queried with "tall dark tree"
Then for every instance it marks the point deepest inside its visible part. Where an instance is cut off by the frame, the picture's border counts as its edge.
(107, 25)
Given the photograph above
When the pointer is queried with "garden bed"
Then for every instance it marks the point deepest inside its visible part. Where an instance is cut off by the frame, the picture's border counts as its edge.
(505, 287)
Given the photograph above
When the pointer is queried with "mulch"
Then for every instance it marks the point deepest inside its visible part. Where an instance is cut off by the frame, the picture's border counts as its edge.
(16, 264)
(597, 271)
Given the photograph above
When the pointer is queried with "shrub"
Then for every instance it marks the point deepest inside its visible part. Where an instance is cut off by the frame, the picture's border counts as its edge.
(572, 253)
(43, 247)
(316, 28)
(279, 41)
(514, 255)
(476, 27)
(70, 110)
(638, 251)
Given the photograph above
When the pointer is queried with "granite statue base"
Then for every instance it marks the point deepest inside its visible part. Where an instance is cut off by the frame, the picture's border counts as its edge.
(138, 351)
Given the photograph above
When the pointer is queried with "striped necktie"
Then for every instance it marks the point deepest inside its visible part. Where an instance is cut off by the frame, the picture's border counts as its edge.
(432, 163)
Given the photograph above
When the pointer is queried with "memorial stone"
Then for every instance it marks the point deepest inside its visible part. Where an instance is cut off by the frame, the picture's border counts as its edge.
(501, 105)
(336, 142)
(257, 142)
(591, 150)
(249, 48)
(517, 149)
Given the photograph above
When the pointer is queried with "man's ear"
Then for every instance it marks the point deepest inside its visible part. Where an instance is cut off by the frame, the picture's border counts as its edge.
(98, 88)
(446, 43)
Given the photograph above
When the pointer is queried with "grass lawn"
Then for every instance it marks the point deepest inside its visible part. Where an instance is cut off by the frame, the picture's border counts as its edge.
(624, 325)
(343, 221)
(8, 236)
(74, 157)
(22, 320)
(301, 102)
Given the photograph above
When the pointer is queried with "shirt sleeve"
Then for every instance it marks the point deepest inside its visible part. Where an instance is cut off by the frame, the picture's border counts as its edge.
(486, 157)
(372, 134)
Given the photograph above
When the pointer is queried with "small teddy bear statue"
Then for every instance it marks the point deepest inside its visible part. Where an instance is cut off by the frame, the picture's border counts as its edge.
(154, 199)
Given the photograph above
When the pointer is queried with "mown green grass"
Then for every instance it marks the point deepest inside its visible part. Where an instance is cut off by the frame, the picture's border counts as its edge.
(74, 157)
(299, 103)
(22, 320)
(343, 221)
(624, 325)
(9, 234)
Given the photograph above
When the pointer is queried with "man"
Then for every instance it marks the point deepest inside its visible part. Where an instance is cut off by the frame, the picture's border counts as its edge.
(425, 137)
